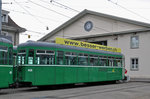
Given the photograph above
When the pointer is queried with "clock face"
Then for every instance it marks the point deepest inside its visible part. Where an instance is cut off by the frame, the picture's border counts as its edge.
(88, 26)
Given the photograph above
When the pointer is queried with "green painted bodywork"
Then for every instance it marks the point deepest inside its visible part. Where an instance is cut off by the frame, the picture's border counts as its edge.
(65, 74)
(6, 71)
(51, 75)
(6, 76)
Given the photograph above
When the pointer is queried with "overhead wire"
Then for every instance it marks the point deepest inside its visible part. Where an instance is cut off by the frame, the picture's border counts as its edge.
(29, 13)
(66, 7)
(34, 15)
(13, 3)
(70, 17)
(57, 13)
(36, 32)
(128, 10)
(49, 9)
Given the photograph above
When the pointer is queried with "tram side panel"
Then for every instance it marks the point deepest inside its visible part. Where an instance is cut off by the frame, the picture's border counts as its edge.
(6, 76)
(39, 74)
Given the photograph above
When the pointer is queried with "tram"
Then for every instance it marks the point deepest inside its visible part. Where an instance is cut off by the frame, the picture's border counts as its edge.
(42, 64)
(6, 63)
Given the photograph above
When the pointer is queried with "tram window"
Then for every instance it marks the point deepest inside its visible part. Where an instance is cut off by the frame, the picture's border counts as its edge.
(3, 55)
(21, 59)
(22, 51)
(93, 60)
(82, 59)
(21, 56)
(114, 62)
(50, 52)
(118, 62)
(103, 61)
(60, 55)
(30, 56)
(71, 58)
(3, 48)
(45, 57)
(40, 51)
(110, 61)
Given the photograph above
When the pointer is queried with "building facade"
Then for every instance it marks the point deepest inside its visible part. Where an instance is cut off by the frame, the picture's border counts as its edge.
(10, 29)
(129, 35)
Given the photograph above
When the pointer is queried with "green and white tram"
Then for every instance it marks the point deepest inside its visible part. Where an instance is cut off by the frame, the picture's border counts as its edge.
(6, 63)
(41, 63)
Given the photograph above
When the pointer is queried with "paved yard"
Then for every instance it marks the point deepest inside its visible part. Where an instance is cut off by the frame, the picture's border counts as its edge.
(131, 90)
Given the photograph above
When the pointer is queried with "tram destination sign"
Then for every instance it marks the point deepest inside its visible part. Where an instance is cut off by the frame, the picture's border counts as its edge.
(86, 45)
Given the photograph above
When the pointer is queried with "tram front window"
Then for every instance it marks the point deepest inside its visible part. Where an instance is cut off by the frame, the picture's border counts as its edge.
(3, 55)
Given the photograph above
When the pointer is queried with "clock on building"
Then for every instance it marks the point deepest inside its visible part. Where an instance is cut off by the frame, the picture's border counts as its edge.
(88, 26)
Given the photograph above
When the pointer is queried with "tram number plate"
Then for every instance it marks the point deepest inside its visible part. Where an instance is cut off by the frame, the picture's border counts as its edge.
(29, 70)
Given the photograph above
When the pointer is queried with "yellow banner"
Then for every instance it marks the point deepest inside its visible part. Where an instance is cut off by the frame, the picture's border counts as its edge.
(86, 45)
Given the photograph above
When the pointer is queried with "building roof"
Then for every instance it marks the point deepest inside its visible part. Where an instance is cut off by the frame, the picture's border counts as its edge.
(111, 34)
(83, 13)
(12, 24)
(4, 11)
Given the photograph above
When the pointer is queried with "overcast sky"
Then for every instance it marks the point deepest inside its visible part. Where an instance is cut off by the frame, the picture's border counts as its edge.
(37, 15)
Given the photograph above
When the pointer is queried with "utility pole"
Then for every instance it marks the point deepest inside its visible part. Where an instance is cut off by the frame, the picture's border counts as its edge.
(0, 17)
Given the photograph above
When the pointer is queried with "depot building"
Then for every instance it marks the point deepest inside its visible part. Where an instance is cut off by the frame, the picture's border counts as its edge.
(131, 36)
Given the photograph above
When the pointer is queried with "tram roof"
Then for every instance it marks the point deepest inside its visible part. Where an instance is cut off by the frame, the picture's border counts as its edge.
(4, 40)
(54, 45)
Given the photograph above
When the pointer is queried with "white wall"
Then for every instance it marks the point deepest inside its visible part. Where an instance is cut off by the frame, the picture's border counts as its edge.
(101, 25)
(142, 53)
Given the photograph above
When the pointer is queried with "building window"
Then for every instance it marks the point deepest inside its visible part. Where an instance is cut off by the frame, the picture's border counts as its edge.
(4, 19)
(135, 42)
(134, 64)
(4, 33)
(100, 42)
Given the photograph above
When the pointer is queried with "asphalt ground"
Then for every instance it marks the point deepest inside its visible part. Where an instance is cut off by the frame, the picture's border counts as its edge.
(130, 90)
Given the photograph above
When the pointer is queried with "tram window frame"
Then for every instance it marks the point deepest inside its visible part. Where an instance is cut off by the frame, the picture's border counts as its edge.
(4, 55)
(60, 58)
(104, 62)
(117, 63)
(70, 58)
(81, 59)
(45, 57)
(10, 54)
(92, 60)
(21, 57)
(31, 57)
(112, 61)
